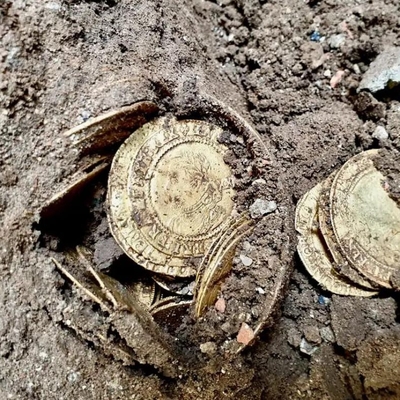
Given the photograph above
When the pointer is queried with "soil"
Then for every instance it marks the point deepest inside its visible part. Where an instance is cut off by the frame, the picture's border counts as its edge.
(291, 70)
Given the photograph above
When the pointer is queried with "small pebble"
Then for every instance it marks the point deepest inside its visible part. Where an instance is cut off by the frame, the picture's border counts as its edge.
(315, 36)
(262, 207)
(208, 348)
(85, 115)
(327, 334)
(337, 78)
(335, 41)
(307, 348)
(260, 290)
(380, 133)
(356, 69)
(383, 72)
(245, 334)
(328, 73)
(246, 261)
(259, 181)
(73, 376)
(324, 301)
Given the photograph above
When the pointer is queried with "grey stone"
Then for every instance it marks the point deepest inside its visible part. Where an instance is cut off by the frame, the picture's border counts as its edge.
(335, 41)
(262, 207)
(307, 348)
(327, 334)
(383, 72)
(208, 348)
(380, 133)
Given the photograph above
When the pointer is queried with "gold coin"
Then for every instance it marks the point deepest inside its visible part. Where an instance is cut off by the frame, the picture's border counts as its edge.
(312, 251)
(170, 194)
(366, 221)
(170, 311)
(340, 264)
(217, 263)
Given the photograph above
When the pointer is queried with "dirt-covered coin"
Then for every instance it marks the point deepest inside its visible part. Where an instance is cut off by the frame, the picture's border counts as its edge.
(170, 311)
(170, 194)
(312, 250)
(366, 221)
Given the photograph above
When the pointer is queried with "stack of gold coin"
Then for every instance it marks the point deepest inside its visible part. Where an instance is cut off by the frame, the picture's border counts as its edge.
(349, 230)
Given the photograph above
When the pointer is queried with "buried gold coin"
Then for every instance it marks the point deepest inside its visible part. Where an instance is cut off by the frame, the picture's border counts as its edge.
(366, 221)
(339, 262)
(217, 263)
(170, 194)
(312, 250)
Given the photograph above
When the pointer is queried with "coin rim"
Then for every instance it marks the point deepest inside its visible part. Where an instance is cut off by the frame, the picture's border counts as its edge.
(330, 238)
(307, 237)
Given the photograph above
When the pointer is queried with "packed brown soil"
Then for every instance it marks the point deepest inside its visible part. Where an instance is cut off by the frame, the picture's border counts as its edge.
(290, 69)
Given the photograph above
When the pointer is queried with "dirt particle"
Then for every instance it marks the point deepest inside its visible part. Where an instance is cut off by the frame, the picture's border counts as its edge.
(311, 334)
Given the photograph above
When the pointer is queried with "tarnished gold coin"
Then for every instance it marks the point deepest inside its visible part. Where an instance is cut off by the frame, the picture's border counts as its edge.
(312, 251)
(366, 221)
(170, 194)
(340, 264)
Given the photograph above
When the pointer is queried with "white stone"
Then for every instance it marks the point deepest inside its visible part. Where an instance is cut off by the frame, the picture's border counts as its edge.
(246, 261)
(380, 133)
(328, 73)
(335, 41)
(260, 290)
(262, 207)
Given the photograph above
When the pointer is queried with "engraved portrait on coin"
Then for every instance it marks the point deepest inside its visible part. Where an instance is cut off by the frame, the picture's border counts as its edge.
(170, 194)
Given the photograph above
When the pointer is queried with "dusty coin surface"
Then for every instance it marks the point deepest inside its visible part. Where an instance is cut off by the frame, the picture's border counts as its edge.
(170, 194)
(312, 250)
(339, 262)
(366, 221)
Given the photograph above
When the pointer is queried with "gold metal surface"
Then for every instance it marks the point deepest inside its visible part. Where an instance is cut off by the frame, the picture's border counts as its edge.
(217, 263)
(312, 250)
(340, 263)
(366, 221)
(111, 128)
(170, 194)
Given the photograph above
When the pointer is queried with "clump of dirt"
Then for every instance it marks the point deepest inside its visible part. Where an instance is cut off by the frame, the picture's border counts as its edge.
(388, 162)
